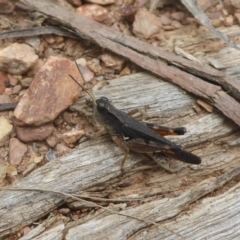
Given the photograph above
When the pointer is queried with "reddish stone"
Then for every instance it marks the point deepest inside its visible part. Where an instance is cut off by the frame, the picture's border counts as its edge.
(12, 80)
(16, 151)
(6, 7)
(3, 78)
(17, 89)
(28, 134)
(51, 91)
(146, 24)
(179, 16)
(4, 99)
(165, 20)
(95, 12)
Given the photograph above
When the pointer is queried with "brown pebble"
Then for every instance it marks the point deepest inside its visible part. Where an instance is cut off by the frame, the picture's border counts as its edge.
(64, 211)
(228, 21)
(17, 89)
(13, 80)
(179, 16)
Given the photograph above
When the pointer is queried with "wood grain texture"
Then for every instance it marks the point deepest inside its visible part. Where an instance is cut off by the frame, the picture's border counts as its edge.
(97, 163)
(214, 218)
(121, 227)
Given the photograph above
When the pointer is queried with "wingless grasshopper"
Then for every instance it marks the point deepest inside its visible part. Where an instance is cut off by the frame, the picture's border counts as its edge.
(130, 134)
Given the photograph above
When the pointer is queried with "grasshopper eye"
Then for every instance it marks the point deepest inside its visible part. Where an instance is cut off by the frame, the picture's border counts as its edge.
(102, 103)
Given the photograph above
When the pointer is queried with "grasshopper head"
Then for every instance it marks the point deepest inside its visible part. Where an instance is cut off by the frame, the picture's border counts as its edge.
(102, 103)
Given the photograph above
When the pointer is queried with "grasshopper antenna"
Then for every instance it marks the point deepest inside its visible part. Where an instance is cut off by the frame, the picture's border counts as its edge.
(88, 92)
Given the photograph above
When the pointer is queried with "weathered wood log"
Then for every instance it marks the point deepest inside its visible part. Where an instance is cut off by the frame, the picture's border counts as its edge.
(97, 163)
(164, 64)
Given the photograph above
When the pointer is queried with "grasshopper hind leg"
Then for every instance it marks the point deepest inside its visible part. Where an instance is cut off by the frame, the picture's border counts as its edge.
(163, 161)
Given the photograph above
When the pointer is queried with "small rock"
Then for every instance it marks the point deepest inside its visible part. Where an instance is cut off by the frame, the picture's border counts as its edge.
(35, 68)
(112, 61)
(216, 23)
(64, 211)
(25, 82)
(12, 80)
(72, 136)
(99, 78)
(125, 71)
(205, 4)
(237, 16)
(5, 130)
(81, 61)
(228, 21)
(26, 230)
(43, 148)
(3, 79)
(62, 149)
(51, 155)
(22, 92)
(165, 20)
(60, 39)
(95, 66)
(51, 92)
(10, 179)
(38, 159)
(3, 170)
(17, 58)
(214, 15)
(235, 3)
(93, 11)
(48, 52)
(225, 12)
(70, 43)
(28, 134)
(176, 24)
(146, 24)
(52, 141)
(102, 2)
(6, 7)
(4, 99)
(5, 23)
(8, 91)
(63, 4)
(33, 42)
(75, 3)
(29, 168)
(88, 75)
(16, 151)
(33, 154)
(70, 119)
(17, 89)
(179, 16)
(11, 170)
(128, 12)
(49, 38)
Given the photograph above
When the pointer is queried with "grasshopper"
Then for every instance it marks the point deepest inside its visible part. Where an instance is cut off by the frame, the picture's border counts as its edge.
(141, 137)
